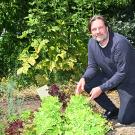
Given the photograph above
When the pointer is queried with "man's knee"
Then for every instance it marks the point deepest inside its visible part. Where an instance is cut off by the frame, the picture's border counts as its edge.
(125, 119)
(125, 122)
(121, 120)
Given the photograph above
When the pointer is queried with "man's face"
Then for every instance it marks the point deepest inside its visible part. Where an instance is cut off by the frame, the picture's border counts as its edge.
(99, 31)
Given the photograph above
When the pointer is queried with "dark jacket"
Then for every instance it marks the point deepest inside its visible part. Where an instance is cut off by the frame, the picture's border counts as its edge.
(116, 61)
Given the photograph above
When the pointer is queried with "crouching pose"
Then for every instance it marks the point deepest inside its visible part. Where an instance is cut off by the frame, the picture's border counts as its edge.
(111, 65)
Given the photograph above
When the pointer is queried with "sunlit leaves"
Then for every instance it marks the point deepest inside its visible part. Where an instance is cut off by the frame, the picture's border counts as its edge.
(29, 59)
(62, 55)
(53, 28)
(23, 69)
(38, 44)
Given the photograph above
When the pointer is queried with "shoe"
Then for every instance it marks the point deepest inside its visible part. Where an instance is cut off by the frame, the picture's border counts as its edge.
(119, 125)
(109, 115)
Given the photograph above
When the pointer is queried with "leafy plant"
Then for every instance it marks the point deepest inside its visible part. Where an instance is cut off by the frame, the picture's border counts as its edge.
(48, 119)
(54, 90)
(62, 96)
(124, 26)
(78, 119)
(11, 85)
(16, 122)
(25, 115)
(14, 127)
(81, 120)
(12, 14)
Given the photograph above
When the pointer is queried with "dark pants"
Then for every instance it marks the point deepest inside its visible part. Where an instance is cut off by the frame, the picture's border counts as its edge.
(127, 101)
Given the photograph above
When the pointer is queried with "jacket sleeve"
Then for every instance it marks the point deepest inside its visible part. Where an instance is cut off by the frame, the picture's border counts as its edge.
(92, 65)
(121, 57)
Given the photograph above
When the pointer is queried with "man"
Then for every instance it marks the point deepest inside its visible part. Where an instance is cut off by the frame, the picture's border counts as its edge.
(111, 65)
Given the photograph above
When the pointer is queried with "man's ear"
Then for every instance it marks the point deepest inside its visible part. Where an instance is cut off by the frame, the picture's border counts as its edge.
(107, 28)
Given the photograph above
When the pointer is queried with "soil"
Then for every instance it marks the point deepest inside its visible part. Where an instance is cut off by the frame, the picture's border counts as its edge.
(32, 102)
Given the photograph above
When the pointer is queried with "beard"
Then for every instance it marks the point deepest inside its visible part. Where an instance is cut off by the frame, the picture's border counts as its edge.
(101, 38)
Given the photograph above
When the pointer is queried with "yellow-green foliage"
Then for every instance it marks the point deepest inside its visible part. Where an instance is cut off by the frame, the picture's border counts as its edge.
(78, 118)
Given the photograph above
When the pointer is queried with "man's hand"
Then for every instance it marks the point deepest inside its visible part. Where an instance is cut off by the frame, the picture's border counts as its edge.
(95, 92)
(80, 86)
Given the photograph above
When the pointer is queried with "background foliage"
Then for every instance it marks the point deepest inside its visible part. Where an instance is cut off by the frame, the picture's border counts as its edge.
(46, 41)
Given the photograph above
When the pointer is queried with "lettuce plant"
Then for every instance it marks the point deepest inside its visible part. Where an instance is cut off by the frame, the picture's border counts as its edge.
(48, 120)
(77, 119)
(81, 120)
(62, 96)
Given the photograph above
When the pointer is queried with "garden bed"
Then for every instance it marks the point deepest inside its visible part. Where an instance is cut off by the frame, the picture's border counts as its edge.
(32, 102)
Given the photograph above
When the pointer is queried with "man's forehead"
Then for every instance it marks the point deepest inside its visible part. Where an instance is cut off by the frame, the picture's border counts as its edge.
(98, 22)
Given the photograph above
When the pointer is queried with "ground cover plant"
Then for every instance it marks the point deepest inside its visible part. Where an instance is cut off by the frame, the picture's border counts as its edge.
(16, 124)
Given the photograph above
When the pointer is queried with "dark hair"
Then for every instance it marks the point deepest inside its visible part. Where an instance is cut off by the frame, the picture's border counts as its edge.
(95, 17)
